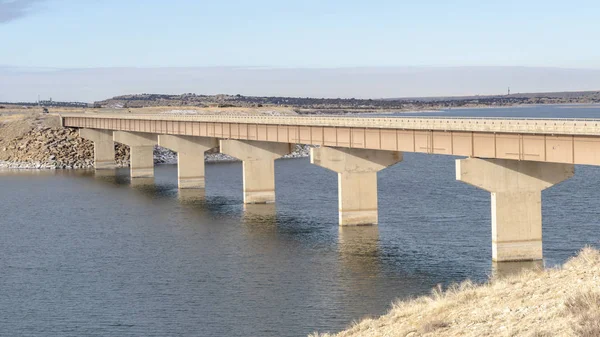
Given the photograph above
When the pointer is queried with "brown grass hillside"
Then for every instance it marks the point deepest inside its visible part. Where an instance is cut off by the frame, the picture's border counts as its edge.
(554, 302)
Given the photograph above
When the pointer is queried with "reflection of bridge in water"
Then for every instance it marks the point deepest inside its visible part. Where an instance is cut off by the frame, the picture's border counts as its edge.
(513, 159)
(361, 256)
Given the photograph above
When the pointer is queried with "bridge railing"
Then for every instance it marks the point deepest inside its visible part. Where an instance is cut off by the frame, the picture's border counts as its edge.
(559, 126)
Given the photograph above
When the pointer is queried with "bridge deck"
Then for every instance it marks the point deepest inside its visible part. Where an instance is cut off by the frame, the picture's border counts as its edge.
(575, 141)
(566, 126)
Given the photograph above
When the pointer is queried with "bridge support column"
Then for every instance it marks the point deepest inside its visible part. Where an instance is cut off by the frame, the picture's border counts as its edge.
(141, 146)
(258, 165)
(104, 147)
(516, 188)
(357, 180)
(190, 157)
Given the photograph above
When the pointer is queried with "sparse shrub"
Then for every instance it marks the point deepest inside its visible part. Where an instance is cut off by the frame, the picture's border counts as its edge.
(582, 304)
(588, 325)
(434, 325)
(586, 309)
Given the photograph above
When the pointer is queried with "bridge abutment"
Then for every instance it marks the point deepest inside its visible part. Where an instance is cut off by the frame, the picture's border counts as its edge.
(357, 180)
(141, 146)
(516, 191)
(190, 157)
(104, 147)
(258, 166)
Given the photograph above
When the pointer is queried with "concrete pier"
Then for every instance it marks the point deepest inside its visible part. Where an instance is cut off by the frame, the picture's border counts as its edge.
(104, 147)
(357, 180)
(190, 157)
(516, 189)
(141, 146)
(258, 166)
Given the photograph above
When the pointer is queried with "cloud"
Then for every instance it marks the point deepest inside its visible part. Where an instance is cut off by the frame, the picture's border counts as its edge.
(13, 9)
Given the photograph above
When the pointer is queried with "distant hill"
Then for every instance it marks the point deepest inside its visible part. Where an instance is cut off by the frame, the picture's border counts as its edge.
(308, 105)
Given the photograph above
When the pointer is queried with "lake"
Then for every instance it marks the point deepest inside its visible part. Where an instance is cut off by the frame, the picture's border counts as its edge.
(85, 254)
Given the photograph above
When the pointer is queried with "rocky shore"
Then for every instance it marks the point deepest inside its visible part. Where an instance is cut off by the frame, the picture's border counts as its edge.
(45, 147)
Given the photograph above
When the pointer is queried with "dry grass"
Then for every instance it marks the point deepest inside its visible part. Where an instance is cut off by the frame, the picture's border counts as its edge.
(556, 302)
(11, 117)
(13, 109)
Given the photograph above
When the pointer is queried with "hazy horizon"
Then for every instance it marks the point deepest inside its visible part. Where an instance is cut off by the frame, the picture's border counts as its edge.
(24, 84)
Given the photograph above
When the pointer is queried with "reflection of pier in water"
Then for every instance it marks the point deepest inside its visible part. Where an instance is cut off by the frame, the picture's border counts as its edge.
(361, 271)
(145, 184)
(505, 269)
(359, 249)
(191, 196)
(109, 174)
(358, 246)
(260, 214)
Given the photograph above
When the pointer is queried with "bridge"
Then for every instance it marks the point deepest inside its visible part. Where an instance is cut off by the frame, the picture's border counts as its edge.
(513, 159)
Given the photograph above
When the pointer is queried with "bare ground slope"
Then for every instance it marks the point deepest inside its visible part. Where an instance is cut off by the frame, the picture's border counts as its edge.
(34, 140)
(555, 302)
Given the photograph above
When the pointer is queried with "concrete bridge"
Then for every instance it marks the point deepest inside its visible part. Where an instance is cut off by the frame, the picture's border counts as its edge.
(513, 159)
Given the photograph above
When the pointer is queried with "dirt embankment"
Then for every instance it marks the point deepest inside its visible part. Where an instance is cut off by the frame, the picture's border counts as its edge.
(38, 141)
(555, 302)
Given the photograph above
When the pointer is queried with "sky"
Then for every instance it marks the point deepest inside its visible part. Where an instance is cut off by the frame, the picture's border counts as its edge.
(41, 36)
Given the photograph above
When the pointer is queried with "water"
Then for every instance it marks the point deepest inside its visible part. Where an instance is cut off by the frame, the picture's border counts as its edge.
(87, 255)
(532, 111)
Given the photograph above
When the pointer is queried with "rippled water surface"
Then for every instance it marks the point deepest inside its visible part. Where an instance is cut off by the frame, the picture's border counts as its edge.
(95, 255)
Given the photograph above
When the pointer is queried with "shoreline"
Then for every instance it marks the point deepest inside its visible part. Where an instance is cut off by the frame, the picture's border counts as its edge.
(31, 166)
